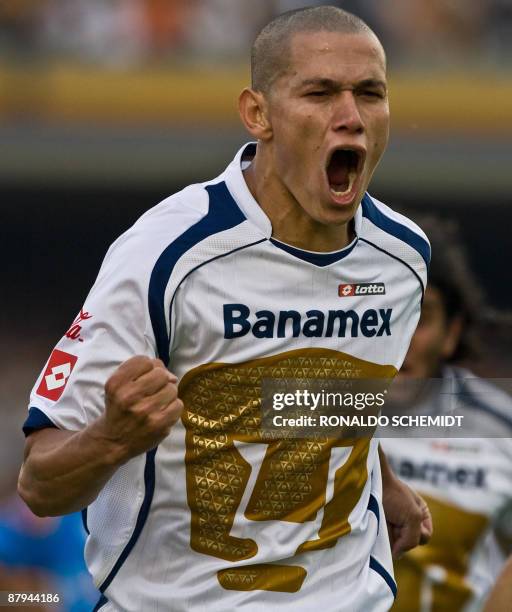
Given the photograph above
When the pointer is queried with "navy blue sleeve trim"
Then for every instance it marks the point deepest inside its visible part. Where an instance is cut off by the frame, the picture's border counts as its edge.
(223, 214)
(373, 506)
(401, 261)
(149, 484)
(36, 420)
(377, 567)
(390, 226)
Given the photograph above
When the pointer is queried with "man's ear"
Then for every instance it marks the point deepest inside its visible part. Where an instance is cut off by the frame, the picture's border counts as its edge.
(253, 109)
(452, 336)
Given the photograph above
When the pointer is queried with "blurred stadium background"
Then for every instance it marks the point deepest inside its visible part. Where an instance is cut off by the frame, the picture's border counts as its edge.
(107, 106)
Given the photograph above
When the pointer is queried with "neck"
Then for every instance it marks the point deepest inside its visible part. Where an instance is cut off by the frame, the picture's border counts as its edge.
(290, 222)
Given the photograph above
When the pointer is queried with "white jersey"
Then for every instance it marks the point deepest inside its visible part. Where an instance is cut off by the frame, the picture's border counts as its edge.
(224, 521)
(467, 484)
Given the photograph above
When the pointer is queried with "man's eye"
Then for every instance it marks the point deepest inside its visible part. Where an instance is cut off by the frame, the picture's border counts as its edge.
(317, 94)
(372, 94)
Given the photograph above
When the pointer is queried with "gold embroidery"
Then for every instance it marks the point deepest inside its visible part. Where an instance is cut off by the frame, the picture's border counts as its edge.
(445, 558)
(349, 481)
(291, 482)
(222, 404)
(264, 577)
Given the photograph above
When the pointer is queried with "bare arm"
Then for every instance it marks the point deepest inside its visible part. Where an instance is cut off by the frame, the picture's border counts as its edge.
(64, 471)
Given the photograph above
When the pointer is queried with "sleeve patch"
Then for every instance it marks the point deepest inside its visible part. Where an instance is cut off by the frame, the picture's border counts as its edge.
(56, 375)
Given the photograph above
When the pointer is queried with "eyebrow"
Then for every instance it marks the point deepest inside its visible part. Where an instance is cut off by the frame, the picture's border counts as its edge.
(335, 85)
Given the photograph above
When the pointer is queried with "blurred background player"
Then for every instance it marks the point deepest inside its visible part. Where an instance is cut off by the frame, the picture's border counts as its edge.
(466, 481)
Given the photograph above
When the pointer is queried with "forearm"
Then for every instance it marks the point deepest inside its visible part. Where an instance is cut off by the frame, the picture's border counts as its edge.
(65, 471)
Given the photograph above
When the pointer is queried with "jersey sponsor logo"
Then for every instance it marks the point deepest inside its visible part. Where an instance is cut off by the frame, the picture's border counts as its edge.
(455, 447)
(238, 322)
(56, 375)
(73, 332)
(440, 474)
(348, 290)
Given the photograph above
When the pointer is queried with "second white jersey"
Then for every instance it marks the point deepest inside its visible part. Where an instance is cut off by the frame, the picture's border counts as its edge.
(217, 517)
(467, 484)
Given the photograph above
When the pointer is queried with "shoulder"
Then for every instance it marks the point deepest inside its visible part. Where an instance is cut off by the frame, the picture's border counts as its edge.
(484, 397)
(383, 223)
(174, 226)
(395, 235)
(166, 221)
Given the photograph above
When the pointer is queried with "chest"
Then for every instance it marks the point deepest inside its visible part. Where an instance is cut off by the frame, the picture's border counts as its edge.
(263, 302)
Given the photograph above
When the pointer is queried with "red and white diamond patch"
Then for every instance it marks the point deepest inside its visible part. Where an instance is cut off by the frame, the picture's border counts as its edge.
(56, 375)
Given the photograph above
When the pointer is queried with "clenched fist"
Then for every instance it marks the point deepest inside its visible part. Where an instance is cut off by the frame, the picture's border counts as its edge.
(141, 405)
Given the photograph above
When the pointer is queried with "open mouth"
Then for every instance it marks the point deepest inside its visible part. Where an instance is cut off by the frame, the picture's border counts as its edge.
(342, 171)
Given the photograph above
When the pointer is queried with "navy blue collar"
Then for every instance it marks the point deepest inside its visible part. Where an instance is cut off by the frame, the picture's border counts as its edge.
(318, 259)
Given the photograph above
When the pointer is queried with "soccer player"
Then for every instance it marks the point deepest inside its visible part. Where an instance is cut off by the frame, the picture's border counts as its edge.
(466, 481)
(281, 267)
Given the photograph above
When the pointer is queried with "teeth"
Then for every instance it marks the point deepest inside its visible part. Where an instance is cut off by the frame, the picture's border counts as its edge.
(351, 179)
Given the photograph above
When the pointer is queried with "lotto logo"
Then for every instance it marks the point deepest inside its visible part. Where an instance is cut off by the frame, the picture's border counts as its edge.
(56, 375)
(345, 290)
(362, 289)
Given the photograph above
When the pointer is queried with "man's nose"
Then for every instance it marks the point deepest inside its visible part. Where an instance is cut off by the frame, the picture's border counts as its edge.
(346, 113)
